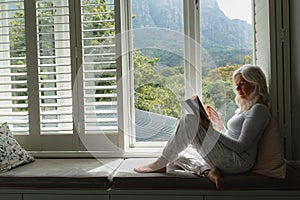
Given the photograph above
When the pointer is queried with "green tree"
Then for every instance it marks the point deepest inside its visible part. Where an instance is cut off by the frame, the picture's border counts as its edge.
(218, 90)
(152, 90)
(247, 59)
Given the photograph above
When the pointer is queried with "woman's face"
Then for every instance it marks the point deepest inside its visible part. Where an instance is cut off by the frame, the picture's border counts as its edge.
(243, 87)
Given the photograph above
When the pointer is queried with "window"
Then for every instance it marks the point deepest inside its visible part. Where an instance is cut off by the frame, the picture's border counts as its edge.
(183, 48)
(108, 76)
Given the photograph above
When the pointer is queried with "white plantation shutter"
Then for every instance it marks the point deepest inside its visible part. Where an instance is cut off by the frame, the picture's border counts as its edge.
(99, 120)
(13, 73)
(54, 63)
(41, 60)
(99, 67)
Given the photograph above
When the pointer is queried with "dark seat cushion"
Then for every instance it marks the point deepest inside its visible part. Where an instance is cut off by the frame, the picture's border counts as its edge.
(61, 173)
(258, 182)
(126, 178)
(118, 174)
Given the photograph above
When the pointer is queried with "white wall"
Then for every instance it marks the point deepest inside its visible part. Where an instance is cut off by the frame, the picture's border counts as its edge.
(295, 75)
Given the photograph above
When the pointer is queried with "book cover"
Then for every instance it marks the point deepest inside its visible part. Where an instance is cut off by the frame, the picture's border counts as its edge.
(194, 106)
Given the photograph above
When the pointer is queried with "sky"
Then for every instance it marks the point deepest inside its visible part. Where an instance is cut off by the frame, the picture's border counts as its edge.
(237, 9)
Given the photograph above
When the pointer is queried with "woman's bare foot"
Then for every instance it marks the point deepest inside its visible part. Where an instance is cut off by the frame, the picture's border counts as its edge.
(157, 166)
(149, 169)
(214, 175)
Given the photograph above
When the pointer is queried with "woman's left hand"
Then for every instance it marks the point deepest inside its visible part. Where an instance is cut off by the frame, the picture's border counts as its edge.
(214, 118)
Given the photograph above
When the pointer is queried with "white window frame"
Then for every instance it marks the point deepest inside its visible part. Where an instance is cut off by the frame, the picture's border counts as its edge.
(191, 17)
(272, 53)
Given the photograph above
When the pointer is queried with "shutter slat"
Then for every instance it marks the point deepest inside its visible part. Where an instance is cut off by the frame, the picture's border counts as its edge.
(55, 105)
(55, 89)
(13, 98)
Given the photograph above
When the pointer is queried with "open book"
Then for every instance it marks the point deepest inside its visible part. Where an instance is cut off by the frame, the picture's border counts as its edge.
(194, 106)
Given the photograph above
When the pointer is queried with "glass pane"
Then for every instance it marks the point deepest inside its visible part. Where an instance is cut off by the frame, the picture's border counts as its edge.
(227, 43)
(13, 73)
(158, 43)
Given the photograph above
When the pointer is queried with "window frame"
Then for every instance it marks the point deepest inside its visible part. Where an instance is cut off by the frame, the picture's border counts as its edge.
(274, 57)
(191, 39)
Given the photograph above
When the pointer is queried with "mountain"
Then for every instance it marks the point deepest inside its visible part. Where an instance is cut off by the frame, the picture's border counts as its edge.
(158, 13)
(219, 29)
(225, 40)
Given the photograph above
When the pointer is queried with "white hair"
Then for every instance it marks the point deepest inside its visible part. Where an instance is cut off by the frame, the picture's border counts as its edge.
(255, 76)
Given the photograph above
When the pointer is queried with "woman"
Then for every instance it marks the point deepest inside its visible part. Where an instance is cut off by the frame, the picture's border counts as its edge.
(230, 149)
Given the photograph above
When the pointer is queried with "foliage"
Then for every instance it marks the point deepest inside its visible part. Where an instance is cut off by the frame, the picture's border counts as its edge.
(218, 89)
(160, 90)
(152, 90)
(158, 99)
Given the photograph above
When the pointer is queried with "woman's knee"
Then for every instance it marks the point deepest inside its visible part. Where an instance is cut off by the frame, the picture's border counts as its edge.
(190, 123)
(188, 126)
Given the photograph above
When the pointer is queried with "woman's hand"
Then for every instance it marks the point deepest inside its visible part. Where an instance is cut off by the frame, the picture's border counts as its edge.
(214, 118)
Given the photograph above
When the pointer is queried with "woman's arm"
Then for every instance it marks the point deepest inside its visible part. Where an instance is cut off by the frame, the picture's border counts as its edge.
(255, 122)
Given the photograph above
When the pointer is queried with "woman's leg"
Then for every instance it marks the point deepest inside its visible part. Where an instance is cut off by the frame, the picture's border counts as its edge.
(191, 161)
(218, 155)
(183, 137)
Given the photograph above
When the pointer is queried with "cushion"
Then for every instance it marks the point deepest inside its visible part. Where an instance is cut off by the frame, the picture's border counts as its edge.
(11, 153)
(270, 158)
(176, 178)
(126, 178)
(60, 173)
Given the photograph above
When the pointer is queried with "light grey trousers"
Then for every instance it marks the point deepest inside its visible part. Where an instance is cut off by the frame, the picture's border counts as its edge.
(194, 149)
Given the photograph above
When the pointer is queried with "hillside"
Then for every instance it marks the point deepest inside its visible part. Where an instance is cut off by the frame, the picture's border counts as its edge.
(225, 40)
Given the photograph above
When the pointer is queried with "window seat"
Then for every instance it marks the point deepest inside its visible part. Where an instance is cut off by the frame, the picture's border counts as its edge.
(118, 174)
(113, 178)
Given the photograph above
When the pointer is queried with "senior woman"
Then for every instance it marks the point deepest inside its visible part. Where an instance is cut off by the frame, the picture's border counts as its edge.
(216, 148)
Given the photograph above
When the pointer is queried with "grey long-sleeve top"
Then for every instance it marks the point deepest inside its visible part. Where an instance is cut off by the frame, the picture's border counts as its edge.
(244, 131)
